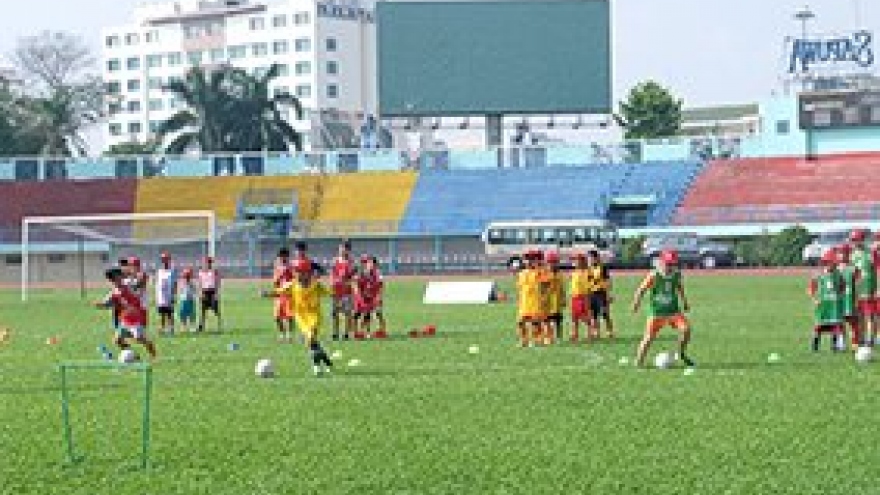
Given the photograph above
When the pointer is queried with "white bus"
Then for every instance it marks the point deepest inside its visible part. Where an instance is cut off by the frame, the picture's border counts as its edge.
(505, 242)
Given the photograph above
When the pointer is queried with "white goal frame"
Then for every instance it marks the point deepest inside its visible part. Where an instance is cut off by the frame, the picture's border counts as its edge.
(209, 216)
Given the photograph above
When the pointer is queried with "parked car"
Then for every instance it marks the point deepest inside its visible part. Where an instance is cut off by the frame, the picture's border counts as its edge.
(693, 251)
(822, 243)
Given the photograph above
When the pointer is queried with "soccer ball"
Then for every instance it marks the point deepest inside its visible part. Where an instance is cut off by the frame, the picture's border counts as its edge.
(663, 360)
(264, 369)
(864, 354)
(128, 356)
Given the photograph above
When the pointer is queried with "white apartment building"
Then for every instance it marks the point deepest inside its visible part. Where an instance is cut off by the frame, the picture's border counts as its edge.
(326, 49)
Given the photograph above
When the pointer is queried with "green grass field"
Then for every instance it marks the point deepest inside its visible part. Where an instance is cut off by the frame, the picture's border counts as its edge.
(427, 417)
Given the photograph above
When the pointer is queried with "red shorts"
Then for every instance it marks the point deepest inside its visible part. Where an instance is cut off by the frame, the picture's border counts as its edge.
(364, 305)
(580, 308)
(283, 308)
(829, 329)
(867, 307)
(657, 323)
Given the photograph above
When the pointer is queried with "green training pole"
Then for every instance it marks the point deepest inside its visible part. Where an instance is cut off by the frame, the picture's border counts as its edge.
(65, 416)
(145, 443)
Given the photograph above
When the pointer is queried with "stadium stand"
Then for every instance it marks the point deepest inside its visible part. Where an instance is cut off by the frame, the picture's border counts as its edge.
(667, 182)
(366, 197)
(775, 190)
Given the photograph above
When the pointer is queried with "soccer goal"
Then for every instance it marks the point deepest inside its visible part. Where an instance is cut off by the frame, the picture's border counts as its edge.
(75, 249)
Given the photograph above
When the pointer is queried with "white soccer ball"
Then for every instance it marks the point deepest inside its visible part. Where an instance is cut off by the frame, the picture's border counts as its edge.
(474, 349)
(663, 360)
(864, 354)
(128, 356)
(264, 369)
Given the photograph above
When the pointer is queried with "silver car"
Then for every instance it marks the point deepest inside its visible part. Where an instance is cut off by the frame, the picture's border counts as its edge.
(822, 244)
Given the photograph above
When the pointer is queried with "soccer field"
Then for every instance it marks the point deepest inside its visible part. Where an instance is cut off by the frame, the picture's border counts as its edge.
(427, 417)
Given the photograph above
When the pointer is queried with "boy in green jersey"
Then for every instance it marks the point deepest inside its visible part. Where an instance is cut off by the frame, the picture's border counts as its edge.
(668, 304)
(850, 311)
(827, 291)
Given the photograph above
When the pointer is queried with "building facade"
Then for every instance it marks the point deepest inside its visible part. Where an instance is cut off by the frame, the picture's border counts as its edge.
(326, 50)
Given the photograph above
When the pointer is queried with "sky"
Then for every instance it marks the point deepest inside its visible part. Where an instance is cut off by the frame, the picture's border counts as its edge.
(707, 51)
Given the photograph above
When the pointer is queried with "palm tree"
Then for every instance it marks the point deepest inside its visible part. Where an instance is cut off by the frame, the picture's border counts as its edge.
(59, 119)
(229, 110)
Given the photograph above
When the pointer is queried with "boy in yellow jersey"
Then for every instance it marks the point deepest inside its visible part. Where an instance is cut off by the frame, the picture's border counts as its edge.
(554, 297)
(580, 288)
(529, 299)
(305, 294)
(600, 295)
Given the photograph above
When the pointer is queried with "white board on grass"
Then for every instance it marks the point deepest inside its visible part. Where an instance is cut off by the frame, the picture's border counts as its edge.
(474, 292)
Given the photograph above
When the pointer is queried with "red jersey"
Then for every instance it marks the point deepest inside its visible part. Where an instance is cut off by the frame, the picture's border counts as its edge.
(128, 305)
(282, 273)
(341, 277)
(370, 284)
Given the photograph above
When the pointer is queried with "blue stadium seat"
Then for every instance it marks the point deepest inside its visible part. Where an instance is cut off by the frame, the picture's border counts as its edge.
(667, 181)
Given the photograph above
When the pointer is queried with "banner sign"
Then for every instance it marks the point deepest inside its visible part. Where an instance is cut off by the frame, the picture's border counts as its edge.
(856, 50)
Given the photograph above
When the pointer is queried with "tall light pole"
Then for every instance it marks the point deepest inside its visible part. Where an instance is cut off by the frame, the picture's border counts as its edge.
(804, 16)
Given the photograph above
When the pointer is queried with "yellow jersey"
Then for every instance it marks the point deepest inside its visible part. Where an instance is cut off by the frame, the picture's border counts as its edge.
(599, 278)
(306, 301)
(581, 282)
(529, 290)
(555, 292)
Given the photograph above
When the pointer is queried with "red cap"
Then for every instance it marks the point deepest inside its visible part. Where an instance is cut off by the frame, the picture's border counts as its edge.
(669, 257)
(134, 261)
(302, 266)
(187, 273)
(552, 257)
(165, 255)
(858, 235)
(829, 258)
(844, 248)
(877, 235)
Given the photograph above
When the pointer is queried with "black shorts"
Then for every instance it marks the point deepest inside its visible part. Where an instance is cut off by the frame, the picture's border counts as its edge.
(165, 310)
(555, 318)
(209, 300)
(599, 305)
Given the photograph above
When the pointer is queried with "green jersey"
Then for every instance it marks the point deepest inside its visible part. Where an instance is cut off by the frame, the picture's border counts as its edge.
(848, 274)
(828, 290)
(664, 294)
(866, 285)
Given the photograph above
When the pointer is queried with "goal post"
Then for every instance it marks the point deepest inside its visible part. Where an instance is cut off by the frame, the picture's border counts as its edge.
(154, 231)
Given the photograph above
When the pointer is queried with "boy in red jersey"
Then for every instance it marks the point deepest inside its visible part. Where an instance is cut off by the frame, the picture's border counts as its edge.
(132, 312)
(864, 260)
(341, 278)
(137, 280)
(209, 283)
(283, 274)
(379, 301)
(366, 292)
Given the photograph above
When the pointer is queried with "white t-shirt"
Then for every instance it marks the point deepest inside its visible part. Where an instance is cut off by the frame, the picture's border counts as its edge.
(166, 281)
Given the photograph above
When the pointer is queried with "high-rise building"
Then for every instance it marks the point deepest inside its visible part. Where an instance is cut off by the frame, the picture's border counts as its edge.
(326, 49)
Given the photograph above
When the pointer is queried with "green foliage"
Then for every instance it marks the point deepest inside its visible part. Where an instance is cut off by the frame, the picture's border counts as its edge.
(229, 110)
(131, 148)
(650, 111)
(631, 250)
(427, 417)
(787, 247)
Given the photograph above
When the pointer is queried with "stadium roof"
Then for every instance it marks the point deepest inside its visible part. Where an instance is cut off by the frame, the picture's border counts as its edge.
(721, 113)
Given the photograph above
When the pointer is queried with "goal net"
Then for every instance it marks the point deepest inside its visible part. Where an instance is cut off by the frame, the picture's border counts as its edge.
(74, 250)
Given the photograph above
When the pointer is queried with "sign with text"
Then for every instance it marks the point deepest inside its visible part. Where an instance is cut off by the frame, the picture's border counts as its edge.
(855, 51)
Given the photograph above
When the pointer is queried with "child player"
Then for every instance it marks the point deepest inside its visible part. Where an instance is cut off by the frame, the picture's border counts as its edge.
(166, 292)
(367, 287)
(132, 313)
(529, 299)
(341, 280)
(600, 295)
(136, 279)
(864, 262)
(555, 298)
(667, 305)
(187, 296)
(848, 274)
(282, 275)
(209, 283)
(580, 289)
(306, 293)
(378, 302)
(827, 291)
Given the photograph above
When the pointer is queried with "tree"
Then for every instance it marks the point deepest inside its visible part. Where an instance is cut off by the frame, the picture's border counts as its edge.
(787, 247)
(53, 59)
(229, 110)
(650, 111)
(15, 138)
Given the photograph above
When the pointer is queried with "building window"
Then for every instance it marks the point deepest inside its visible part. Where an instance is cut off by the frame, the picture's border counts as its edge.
(260, 72)
(257, 23)
(133, 63)
(154, 61)
(114, 87)
(303, 68)
(283, 70)
(302, 44)
(301, 18)
(134, 127)
(134, 85)
(303, 91)
(115, 129)
(12, 259)
(782, 127)
(131, 39)
(112, 41)
(332, 68)
(134, 106)
(237, 52)
(155, 125)
(155, 105)
(152, 37)
(194, 58)
(281, 90)
(113, 65)
(218, 55)
(172, 103)
(175, 59)
(331, 44)
(56, 258)
(114, 108)
(280, 47)
(332, 91)
(155, 83)
(172, 79)
(260, 49)
(279, 21)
